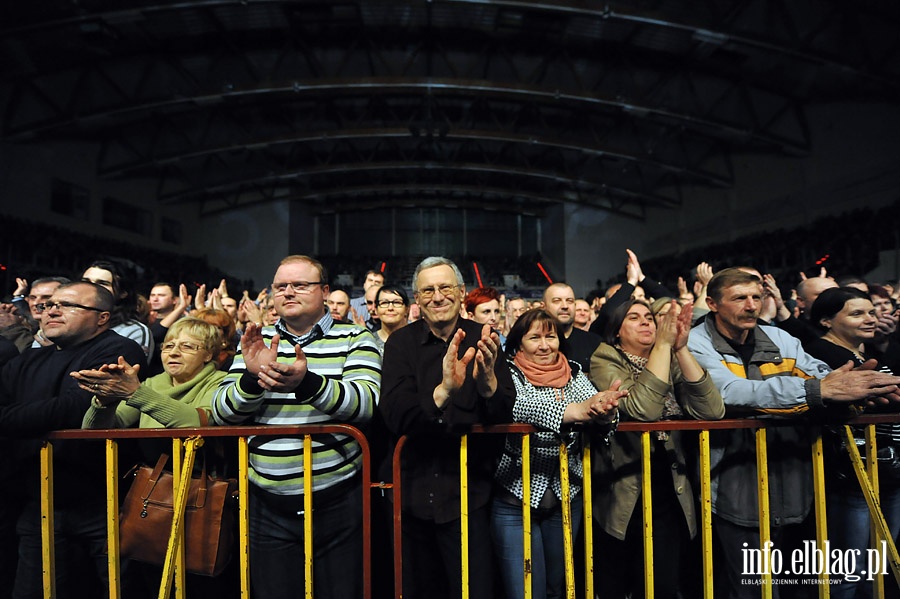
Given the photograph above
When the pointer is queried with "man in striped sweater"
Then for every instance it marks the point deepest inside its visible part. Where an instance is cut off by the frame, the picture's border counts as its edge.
(306, 369)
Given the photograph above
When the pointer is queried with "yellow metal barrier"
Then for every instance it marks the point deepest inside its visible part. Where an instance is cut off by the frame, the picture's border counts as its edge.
(181, 476)
(566, 519)
(762, 487)
(48, 545)
(868, 483)
(244, 515)
(871, 456)
(173, 569)
(112, 511)
(526, 514)
(647, 513)
(818, 464)
(464, 511)
(307, 517)
(587, 526)
(706, 515)
(868, 489)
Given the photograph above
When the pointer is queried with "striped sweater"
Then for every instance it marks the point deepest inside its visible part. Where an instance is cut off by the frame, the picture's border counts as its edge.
(341, 385)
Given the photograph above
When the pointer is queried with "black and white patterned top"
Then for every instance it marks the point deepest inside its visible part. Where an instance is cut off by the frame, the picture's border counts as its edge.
(544, 407)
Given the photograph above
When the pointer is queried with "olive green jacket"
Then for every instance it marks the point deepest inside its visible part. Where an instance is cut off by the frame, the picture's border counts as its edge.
(616, 467)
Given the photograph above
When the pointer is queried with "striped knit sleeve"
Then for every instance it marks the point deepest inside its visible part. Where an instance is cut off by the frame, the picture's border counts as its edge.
(232, 403)
(348, 388)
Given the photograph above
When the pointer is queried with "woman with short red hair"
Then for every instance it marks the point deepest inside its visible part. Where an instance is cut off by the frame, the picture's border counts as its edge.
(483, 306)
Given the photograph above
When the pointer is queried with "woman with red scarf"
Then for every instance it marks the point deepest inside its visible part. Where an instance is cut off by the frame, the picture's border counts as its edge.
(552, 393)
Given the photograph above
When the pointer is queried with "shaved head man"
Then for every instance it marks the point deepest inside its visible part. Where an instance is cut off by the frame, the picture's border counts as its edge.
(338, 303)
(809, 289)
(559, 302)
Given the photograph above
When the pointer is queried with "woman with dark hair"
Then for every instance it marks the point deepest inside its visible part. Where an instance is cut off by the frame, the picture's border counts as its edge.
(392, 307)
(124, 318)
(848, 321)
(552, 393)
(664, 381)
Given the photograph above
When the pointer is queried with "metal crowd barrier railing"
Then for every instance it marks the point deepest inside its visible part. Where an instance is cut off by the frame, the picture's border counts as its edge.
(867, 476)
(174, 568)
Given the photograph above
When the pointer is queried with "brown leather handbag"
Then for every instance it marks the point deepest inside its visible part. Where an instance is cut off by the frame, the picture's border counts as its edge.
(145, 518)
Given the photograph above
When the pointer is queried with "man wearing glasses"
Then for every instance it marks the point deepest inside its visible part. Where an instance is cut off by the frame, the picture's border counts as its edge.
(38, 396)
(442, 374)
(306, 369)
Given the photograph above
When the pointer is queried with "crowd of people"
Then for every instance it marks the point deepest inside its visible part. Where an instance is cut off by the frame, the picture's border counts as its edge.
(429, 360)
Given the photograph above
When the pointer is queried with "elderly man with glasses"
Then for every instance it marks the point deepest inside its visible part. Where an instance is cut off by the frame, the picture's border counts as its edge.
(442, 374)
(38, 396)
(306, 369)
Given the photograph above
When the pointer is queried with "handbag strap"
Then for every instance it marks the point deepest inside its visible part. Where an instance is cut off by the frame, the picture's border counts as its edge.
(154, 476)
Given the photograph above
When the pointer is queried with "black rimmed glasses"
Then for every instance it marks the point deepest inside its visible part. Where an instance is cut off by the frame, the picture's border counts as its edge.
(65, 306)
(391, 303)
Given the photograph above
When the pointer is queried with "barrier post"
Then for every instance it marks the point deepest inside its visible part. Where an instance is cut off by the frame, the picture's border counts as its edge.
(762, 488)
(307, 514)
(818, 466)
(244, 515)
(112, 517)
(177, 472)
(182, 485)
(48, 548)
(647, 504)
(588, 524)
(706, 515)
(872, 461)
(526, 514)
(464, 511)
(567, 519)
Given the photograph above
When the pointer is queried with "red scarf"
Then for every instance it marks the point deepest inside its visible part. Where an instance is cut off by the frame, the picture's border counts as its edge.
(556, 375)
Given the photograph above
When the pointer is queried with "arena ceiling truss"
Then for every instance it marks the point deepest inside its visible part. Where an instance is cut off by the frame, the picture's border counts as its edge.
(510, 105)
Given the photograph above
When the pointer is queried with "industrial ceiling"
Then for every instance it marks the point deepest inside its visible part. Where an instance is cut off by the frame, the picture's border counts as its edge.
(500, 105)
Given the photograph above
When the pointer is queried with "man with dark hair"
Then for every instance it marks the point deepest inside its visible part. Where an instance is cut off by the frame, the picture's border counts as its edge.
(442, 374)
(162, 300)
(761, 370)
(359, 306)
(306, 369)
(38, 396)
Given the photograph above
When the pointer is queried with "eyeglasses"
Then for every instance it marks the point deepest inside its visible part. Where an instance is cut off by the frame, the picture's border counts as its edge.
(391, 303)
(298, 287)
(428, 292)
(65, 306)
(183, 347)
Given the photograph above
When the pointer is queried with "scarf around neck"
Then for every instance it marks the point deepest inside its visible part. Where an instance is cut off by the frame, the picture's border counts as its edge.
(556, 375)
(671, 409)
